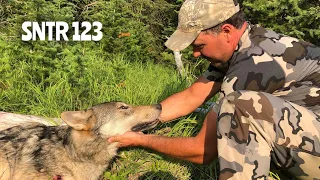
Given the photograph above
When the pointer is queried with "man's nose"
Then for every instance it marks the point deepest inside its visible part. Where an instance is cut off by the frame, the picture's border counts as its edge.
(196, 54)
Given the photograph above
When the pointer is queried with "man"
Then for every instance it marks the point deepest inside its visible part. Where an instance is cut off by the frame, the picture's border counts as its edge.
(269, 86)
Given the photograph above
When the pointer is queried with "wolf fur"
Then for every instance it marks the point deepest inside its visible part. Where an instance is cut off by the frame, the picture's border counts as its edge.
(79, 151)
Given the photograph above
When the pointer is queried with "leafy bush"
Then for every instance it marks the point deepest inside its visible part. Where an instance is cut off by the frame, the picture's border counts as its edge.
(297, 18)
(131, 28)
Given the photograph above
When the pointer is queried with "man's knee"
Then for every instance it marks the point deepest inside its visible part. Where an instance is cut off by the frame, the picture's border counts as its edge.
(247, 103)
(241, 147)
(242, 110)
(230, 122)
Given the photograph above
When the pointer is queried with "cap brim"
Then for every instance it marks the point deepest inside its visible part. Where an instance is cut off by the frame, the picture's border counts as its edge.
(180, 40)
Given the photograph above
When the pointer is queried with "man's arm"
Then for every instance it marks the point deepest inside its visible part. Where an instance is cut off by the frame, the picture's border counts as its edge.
(201, 149)
(186, 101)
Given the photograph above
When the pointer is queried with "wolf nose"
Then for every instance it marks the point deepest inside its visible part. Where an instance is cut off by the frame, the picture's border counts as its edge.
(158, 106)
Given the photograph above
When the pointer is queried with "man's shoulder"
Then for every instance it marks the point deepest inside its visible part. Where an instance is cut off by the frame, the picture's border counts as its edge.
(280, 45)
(263, 37)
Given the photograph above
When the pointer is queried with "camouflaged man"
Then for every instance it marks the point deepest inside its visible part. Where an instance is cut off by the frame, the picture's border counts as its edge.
(269, 85)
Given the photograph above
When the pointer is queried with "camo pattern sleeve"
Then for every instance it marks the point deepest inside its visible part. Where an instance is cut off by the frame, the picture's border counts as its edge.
(277, 64)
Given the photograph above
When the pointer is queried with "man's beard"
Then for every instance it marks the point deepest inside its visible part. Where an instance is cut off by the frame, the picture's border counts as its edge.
(223, 66)
(215, 62)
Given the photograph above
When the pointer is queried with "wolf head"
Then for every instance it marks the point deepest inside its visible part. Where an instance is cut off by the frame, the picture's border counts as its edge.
(113, 118)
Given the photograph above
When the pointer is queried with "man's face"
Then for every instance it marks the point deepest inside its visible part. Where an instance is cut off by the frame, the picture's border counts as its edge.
(215, 47)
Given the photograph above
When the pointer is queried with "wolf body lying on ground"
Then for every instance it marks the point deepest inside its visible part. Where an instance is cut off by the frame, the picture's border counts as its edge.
(74, 152)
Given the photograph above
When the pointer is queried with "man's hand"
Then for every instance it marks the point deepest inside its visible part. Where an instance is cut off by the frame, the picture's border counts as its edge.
(201, 149)
(127, 139)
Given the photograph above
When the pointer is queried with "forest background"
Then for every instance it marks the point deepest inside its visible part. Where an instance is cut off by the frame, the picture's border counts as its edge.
(130, 63)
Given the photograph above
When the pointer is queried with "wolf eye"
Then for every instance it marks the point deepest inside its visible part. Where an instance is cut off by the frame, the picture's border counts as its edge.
(123, 107)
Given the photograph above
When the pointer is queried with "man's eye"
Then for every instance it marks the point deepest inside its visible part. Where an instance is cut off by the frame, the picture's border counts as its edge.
(198, 46)
(123, 107)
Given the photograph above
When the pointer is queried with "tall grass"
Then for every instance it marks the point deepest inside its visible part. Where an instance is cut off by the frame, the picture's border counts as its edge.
(115, 79)
(102, 80)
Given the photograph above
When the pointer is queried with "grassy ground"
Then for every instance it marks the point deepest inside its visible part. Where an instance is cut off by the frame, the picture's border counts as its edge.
(109, 80)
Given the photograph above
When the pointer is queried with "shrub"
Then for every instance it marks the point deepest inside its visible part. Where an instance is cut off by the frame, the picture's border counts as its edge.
(297, 18)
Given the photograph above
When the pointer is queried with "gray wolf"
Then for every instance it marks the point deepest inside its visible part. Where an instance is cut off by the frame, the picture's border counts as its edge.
(77, 151)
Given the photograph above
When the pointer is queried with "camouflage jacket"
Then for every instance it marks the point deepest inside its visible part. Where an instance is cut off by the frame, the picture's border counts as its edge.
(274, 63)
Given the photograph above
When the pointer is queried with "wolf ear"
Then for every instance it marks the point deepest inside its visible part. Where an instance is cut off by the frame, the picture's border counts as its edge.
(79, 120)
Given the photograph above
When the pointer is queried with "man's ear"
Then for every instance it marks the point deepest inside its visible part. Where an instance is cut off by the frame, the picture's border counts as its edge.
(228, 30)
(79, 120)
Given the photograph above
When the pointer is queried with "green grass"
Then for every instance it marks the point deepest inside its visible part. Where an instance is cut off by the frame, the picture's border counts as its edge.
(102, 80)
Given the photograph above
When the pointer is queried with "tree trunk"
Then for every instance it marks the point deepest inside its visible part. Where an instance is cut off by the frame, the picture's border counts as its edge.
(177, 58)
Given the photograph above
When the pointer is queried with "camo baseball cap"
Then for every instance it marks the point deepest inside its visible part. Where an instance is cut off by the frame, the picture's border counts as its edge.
(198, 15)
